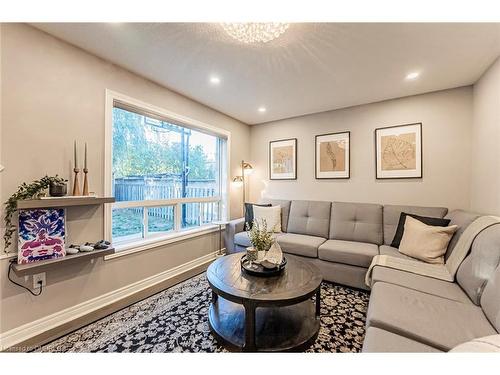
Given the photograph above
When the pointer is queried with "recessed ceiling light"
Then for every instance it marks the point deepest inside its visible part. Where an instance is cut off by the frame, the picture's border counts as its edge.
(214, 80)
(262, 109)
(412, 75)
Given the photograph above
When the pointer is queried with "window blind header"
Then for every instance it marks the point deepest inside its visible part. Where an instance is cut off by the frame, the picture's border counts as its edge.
(171, 120)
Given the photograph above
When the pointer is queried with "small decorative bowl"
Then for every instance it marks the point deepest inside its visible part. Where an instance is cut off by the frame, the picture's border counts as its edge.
(58, 190)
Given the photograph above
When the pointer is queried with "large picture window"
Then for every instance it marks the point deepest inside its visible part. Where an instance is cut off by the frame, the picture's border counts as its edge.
(167, 177)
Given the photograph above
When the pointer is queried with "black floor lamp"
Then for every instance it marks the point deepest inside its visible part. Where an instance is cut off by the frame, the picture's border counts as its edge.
(246, 170)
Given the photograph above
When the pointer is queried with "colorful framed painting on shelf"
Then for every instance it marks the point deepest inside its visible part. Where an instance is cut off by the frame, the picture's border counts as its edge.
(398, 151)
(332, 155)
(283, 159)
(42, 235)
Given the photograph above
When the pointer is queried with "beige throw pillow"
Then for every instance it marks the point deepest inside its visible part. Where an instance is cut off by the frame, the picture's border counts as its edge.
(272, 216)
(425, 242)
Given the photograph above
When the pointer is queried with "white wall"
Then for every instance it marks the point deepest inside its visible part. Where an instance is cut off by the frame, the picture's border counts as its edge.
(446, 118)
(54, 93)
(485, 176)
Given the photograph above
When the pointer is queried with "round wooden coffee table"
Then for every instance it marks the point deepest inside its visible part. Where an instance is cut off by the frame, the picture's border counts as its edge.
(269, 314)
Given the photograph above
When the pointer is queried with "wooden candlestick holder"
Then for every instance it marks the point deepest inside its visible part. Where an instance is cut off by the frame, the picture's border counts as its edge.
(76, 184)
(85, 182)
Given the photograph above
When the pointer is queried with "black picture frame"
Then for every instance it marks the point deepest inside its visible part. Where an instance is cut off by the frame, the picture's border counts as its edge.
(316, 157)
(420, 160)
(295, 145)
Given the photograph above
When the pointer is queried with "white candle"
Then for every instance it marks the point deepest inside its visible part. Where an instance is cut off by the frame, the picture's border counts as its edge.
(76, 160)
(85, 161)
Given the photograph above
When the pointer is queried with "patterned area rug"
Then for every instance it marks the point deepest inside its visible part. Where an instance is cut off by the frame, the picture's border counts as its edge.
(175, 320)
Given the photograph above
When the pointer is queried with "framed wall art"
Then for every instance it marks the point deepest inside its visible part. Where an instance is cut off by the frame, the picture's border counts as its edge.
(332, 155)
(41, 235)
(283, 159)
(398, 151)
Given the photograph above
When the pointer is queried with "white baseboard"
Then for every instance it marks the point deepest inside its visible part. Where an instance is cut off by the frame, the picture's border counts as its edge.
(37, 327)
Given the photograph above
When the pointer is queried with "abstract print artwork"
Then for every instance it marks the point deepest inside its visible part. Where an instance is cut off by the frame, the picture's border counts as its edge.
(41, 235)
(399, 151)
(332, 155)
(283, 159)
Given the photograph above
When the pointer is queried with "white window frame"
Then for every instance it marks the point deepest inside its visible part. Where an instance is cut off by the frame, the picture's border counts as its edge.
(177, 233)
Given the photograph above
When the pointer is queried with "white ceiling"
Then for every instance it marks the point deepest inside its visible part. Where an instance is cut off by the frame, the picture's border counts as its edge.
(311, 68)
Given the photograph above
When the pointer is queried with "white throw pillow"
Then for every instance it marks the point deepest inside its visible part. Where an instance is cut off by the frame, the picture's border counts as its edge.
(272, 216)
(425, 242)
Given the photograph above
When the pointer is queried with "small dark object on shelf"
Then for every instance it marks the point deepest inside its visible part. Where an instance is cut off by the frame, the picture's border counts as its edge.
(58, 189)
(101, 245)
(259, 270)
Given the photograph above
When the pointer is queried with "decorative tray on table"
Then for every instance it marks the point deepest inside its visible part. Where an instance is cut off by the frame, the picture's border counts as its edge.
(256, 269)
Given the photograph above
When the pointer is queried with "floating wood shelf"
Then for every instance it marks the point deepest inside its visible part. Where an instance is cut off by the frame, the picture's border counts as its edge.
(43, 265)
(62, 202)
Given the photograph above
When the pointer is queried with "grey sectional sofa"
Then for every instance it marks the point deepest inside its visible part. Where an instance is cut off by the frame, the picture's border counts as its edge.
(407, 312)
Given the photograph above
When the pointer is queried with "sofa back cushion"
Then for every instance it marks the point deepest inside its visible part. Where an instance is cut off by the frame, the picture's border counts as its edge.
(392, 213)
(479, 266)
(309, 217)
(361, 222)
(490, 300)
(285, 210)
(462, 219)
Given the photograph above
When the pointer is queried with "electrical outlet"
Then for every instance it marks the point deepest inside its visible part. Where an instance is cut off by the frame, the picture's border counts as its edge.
(37, 278)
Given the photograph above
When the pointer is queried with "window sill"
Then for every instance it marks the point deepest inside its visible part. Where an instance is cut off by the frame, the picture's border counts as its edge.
(142, 245)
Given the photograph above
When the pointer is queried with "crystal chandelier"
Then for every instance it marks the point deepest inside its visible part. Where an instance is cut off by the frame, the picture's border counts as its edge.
(249, 32)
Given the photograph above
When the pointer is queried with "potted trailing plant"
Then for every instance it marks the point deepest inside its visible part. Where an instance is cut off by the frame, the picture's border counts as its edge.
(34, 190)
(260, 238)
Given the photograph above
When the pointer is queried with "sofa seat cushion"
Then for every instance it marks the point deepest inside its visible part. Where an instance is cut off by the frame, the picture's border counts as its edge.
(392, 251)
(420, 283)
(242, 239)
(381, 341)
(348, 252)
(431, 320)
(300, 244)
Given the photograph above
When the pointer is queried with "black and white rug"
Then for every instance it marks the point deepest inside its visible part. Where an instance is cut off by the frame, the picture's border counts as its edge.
(175, 320)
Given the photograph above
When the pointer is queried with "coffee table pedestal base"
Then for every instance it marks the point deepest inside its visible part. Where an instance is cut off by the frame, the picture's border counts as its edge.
(275, 329)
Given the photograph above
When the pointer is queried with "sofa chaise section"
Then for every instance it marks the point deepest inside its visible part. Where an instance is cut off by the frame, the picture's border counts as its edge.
(437, 313)
(419, 283)
(381, 341)
(439, 322)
